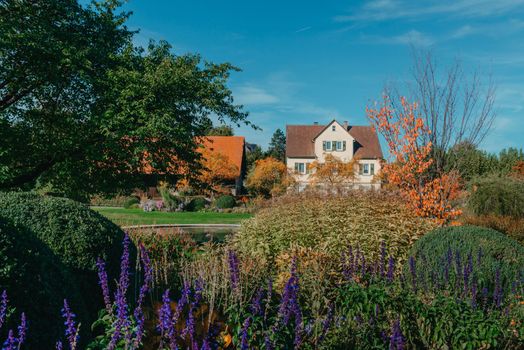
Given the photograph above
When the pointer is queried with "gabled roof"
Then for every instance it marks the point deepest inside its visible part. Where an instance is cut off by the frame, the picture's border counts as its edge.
(230, 146)
(367, 145)
(300, 140)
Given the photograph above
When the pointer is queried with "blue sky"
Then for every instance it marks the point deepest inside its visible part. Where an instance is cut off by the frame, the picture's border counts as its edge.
(306, 61)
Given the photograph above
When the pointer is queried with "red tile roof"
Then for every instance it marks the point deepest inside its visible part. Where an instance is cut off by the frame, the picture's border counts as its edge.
(299, 141)
(230, 146)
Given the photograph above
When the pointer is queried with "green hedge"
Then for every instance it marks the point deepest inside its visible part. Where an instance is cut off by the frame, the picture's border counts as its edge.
(498, 252)
(37, 283)
(76, 234)
(497, 195)
(225, 202)
(196, 204)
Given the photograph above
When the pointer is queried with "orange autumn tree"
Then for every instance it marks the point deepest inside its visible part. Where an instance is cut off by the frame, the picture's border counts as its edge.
(218, 169)
(333, 172)
(429, 193)
(269, 177)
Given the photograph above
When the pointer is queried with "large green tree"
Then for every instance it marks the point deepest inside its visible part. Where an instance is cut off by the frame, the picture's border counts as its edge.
(83, 111)
(277, 146)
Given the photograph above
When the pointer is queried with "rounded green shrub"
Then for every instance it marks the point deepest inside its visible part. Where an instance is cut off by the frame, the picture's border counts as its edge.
(132, 202)
(498, 196)
(330, 224)
(75, 234)
(196, 204)
(37, 283)
(497, 252)
(225, 202)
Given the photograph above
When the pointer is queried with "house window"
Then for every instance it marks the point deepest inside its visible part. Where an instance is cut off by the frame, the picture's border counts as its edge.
(327, 145)
(372, 169)
(339, 145)
(333, 128)
(343, 145)
(300, 168)
(364, 169)
(308, 168)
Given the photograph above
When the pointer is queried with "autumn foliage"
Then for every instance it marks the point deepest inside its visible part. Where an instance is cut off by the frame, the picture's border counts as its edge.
(333, 172)
(269, 177)
(429, 193)
(218, 169)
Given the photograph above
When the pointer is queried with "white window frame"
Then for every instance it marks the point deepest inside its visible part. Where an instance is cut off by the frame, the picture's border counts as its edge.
(298, 166)
(329, 146)
(339, 145)
(365, 170)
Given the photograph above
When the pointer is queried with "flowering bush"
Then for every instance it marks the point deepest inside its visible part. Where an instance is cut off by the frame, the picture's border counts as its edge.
(375, 305)
(328, 224)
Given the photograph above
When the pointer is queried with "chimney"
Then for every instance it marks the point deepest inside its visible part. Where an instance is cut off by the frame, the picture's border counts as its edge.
(315, 123)
(345, 124)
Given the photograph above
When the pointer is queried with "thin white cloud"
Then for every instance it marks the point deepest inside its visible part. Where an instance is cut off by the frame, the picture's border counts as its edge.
(251, 95)
(379, 10)
(303, 29)
(412, 37)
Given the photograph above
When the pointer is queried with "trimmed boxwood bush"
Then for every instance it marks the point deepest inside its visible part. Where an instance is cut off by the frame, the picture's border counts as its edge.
(196, 204)
(37, 283)
(225, 202)
(497, 196)
(131, 203)
(76, 234)
(330, 224)
(498, 252)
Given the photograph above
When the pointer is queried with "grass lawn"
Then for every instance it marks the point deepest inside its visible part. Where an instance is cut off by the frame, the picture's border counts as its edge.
(129, 217)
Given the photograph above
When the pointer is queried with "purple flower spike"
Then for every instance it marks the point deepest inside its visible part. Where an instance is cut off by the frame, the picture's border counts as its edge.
(103, 282)
(396, 341)
(3, 308)
(120, 297)
(267, 343)
(244, 344)
(234, 272)
(71, 330)
(59, 345)
(22, 329)
(148, 280)
(11, 343)
(391, 269)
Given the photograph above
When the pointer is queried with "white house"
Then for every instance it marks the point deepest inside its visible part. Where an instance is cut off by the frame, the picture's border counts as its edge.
(307, 143)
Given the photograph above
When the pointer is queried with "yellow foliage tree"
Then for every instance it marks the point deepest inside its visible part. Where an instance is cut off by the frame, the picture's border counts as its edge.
(218, 169)
(269, 177)
(333, 173)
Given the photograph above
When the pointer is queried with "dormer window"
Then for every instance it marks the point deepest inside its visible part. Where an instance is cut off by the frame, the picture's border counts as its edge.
(333, 128)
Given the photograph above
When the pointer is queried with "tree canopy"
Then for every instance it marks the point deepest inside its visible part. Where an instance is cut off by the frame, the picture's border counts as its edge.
(277, 146)
(83, 111)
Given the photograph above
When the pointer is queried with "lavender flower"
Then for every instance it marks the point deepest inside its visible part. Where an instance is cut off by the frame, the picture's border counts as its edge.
(234, 273)
(71, 329)
(497, 293)
(391, 269)
(396, 341)
(59, 345)
(148, 279)
(122, 321)
(244, 344)
(11, 343)
(205, 345)
(103, 282)
(267, 342)
(165, 322)
(22, 329)
(255, 306)
(3, 308)
(326, 323)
